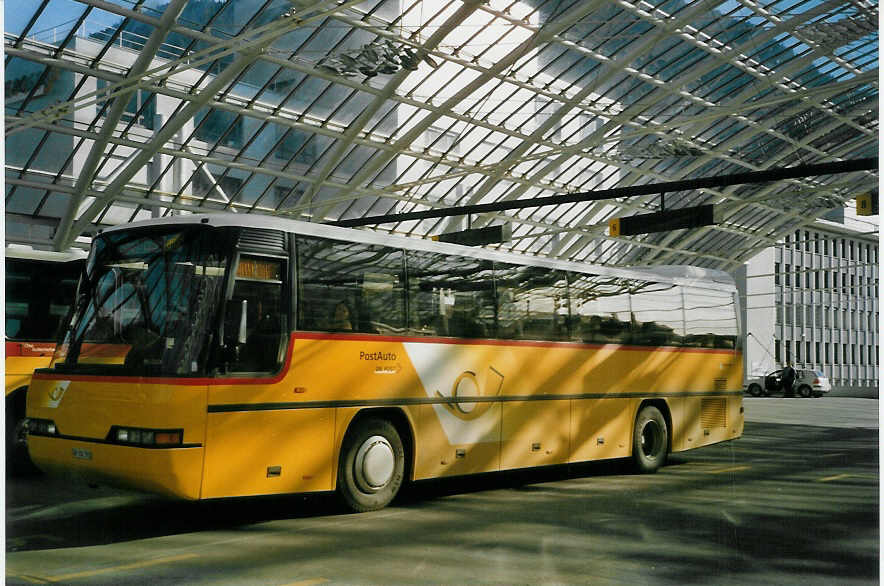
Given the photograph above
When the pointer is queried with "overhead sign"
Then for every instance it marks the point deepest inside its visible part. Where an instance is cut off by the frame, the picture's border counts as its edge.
(662, 221)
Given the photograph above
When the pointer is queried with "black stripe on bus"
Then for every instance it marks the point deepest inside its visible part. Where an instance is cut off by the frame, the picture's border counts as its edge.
(92, 440)
(283, 406)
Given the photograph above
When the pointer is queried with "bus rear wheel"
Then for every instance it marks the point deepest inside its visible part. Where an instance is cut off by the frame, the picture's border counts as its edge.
(372, 465)
(650, 440)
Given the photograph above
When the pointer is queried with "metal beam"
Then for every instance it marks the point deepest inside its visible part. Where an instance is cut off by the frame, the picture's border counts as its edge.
(632, 191)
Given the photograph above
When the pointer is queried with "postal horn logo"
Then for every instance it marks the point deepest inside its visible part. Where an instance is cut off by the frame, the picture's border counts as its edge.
(56, 393)
(474, 397)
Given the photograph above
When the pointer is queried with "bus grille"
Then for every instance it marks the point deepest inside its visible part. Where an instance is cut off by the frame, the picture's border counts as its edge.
(713, 413)
(270, 241)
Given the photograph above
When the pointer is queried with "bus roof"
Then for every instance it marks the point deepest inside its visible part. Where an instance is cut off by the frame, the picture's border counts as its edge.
(28, 253)
(675, 274)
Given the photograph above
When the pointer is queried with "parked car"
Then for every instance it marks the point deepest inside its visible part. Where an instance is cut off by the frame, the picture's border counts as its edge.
(808, 383)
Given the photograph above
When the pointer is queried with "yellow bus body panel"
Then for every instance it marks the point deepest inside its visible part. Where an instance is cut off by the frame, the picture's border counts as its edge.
(84, 409)
(19, 370)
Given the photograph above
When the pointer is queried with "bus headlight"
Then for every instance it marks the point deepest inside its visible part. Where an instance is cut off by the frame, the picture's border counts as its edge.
(146, 437)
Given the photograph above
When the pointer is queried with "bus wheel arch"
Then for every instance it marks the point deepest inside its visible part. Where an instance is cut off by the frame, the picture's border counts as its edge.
(651, 436)
(18, 462)
(374, 459)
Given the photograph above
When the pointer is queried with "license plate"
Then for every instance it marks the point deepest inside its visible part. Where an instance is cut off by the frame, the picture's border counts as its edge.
(81, 453)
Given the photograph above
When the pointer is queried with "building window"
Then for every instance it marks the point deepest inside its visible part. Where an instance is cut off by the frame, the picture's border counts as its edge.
(816, 280)
(799, 316)
(828, 354)
(807, 241)
(835, 282)
(808, 357)
(788, 351)
(816, 243)
(826, 280)
(844, 354)
(836, 322)
(797, 351)
(826, 246)
(844, 322)
(776, 273)
(788, 313)
(788, 275)
(779, 315)
(835, 357)
(776, 349)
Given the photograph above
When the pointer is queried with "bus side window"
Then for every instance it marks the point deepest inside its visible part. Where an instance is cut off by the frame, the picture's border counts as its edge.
(532, 303)
(600, 309)
(349, 286)
(450, 296)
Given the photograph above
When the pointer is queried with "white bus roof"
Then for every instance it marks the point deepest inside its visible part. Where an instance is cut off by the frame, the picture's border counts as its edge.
(675, 274)
(28, 253)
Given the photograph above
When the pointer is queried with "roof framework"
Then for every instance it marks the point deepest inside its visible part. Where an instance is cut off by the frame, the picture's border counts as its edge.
(322, 111)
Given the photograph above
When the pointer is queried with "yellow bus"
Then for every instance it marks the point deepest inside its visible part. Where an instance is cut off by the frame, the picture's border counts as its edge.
(232, 355)
(40, 288)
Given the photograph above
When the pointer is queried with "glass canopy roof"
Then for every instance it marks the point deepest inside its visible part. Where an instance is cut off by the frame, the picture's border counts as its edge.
(120, 110)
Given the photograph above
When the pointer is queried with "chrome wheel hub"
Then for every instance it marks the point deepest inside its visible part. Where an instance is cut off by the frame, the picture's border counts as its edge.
(374, 464)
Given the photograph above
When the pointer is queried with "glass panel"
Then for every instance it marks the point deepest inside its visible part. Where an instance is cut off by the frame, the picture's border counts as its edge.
(711, 318)
(349, 286)
(600, 308)
(148, 303)
(38, 297)
(256, 319)
(450, 295)
(658, 315)
(532, 303)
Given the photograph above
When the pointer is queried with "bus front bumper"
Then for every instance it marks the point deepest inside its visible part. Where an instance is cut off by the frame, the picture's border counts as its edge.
(173, 472)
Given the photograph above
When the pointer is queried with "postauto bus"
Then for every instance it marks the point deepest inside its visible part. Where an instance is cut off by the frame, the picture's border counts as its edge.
(233, 355)
(40, 287)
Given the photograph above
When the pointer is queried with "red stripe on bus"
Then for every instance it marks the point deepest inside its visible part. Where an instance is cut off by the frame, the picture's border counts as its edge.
(364, 338)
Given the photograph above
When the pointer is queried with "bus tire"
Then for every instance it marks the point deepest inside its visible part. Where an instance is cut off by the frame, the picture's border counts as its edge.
(372, 465)
(650, 440)
(805, 391)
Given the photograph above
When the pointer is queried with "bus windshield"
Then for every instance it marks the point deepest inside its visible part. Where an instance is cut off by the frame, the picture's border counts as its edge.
(147, 305)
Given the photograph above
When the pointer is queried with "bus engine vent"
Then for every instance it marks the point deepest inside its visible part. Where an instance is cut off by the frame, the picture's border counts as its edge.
(720, 384)
(269, 241)
(713, 413)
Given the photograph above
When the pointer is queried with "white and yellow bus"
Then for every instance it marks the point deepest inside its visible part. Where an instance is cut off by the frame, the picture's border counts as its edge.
(40, 287)
(234, 355)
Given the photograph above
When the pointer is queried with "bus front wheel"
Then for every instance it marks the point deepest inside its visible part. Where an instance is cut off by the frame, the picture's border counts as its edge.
(650, 440)
(372, 465)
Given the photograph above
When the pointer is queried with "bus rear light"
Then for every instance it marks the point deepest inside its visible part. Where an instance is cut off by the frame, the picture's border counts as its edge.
(146, 437)
(41, 427)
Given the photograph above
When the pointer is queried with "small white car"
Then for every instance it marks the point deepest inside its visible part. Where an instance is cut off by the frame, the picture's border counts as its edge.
(808, 383)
